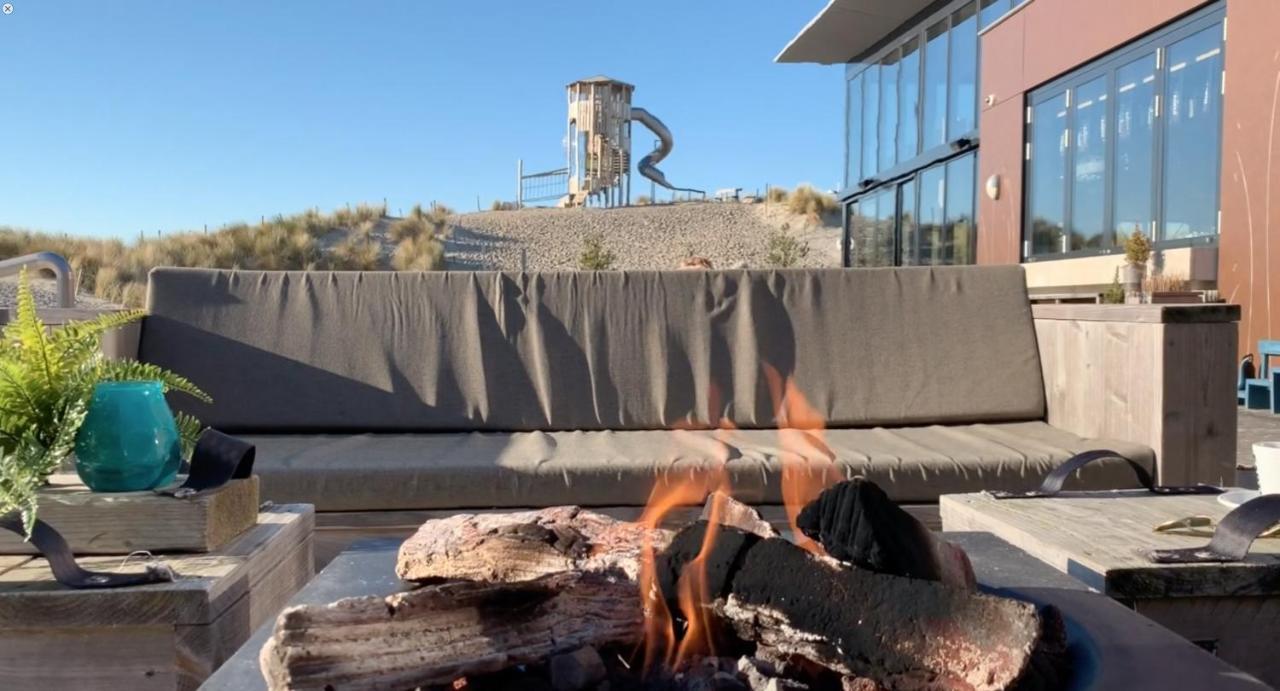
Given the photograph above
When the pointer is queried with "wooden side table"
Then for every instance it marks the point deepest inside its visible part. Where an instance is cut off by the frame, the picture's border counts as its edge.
(1100, 538)
(163, 636)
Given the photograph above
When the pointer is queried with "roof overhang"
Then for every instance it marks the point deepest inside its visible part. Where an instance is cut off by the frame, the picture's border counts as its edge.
(845, 29)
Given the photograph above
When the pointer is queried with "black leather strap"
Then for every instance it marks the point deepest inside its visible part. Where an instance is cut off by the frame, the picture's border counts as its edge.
(1232, 539)
(63, 563)
(1054, 481)
(217, 459)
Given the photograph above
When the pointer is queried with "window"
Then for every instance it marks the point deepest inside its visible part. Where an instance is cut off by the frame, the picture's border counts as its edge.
(870, 119)
(1046, 204)
(907, 203)
(993, 10)
(935, 86)
(909, 99)
(933, 197)
(925, 219)
(1133, 186)
(913, 112)
(1088, 188)
(872, 230)
(888, 111)
(1131, 142)
(962, 86)
(853, 133)
(1192, 141)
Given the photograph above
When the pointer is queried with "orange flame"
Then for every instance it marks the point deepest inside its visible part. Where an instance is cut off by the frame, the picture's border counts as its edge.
(804, 475)
(808, 464)
(691, 591)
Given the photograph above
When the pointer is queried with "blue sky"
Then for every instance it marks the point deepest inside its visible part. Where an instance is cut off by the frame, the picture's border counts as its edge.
(129, 116)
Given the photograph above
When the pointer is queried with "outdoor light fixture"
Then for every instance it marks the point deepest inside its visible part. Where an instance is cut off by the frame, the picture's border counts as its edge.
(993, 187)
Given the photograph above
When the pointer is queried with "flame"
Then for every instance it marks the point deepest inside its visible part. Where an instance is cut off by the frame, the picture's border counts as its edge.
(804, 475)
(691, 589)
(801, 432)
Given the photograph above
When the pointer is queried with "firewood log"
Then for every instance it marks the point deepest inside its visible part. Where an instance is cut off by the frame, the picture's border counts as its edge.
(439, 633)
(902, 633)
(523, 545)
(522, 586)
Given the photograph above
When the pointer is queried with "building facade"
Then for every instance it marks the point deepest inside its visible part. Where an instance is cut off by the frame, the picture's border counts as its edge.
(1044, 132)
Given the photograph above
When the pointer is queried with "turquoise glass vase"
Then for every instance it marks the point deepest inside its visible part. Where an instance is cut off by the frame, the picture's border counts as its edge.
(129, 440)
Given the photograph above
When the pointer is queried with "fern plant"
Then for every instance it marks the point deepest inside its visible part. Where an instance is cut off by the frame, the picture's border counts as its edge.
(47, 377)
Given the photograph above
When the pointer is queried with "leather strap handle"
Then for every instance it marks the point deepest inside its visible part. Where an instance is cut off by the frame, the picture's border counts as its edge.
(1233, 538)
(217, 459)
(62, 562)
(1054, 481)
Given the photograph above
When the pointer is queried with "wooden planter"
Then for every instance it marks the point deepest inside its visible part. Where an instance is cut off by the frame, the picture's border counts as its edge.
(124, 522)
(1172, 297)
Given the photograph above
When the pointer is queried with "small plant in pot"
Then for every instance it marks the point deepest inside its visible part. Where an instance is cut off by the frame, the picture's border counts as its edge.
(53, 379)
(1137, 251)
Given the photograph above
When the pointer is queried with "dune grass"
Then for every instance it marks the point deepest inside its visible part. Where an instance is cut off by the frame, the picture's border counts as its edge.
(342, 241)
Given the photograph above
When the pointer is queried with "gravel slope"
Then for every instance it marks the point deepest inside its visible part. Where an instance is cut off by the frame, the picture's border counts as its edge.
(45, 292)
(642, 237)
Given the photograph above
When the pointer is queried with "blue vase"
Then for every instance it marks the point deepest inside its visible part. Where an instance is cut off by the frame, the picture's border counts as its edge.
(129, 440)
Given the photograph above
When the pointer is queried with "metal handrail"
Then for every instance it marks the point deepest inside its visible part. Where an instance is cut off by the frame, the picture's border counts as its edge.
(46, 260)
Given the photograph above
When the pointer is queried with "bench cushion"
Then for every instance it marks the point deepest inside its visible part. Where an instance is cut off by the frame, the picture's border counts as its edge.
(463, 351)
(619, 468)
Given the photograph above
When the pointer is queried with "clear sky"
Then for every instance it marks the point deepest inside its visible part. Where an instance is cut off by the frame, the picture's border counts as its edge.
(119, 117)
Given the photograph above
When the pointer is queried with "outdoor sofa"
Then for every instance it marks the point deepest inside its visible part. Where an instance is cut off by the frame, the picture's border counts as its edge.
(379, 391)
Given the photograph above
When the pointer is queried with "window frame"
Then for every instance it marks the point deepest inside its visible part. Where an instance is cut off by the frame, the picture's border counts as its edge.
(1157, 42)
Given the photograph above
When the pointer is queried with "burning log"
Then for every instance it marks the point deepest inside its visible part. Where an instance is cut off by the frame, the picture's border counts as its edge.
(856, 522)
(901, 633)
(523, 587)
(519, 546)
(441, 633)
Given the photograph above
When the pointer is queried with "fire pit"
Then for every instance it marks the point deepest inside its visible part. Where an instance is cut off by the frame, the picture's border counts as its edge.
(865, 598)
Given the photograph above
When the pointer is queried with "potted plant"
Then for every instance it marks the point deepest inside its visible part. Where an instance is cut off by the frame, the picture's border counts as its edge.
(47, 380)
(1137, 251)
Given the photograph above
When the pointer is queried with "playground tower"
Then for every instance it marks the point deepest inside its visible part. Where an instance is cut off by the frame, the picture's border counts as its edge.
(598, 143)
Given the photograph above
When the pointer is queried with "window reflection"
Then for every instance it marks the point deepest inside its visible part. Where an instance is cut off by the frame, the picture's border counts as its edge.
(958, 234)
(1046, 201)
(854, 126)
(870, 119)
(1088, 185)
(1192, 138)
(933, 196)
(908, 99)
(963, 85)
(993, 10)
(934, 118)
(888, 110)
(907, 204)
(1135, 146)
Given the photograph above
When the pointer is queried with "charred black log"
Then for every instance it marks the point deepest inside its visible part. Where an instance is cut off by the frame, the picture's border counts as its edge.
(902, 633)
(856, 522)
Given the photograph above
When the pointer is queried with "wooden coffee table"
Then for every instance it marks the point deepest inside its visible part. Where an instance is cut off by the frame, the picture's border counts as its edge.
(162, 636)
(1101, 538)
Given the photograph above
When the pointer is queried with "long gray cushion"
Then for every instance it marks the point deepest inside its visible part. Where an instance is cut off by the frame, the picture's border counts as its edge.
(479, 470)
(416, 352)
